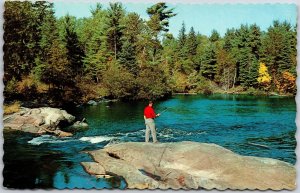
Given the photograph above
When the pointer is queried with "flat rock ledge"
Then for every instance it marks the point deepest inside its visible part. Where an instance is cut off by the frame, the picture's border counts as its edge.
(189, 165)
(39, 121)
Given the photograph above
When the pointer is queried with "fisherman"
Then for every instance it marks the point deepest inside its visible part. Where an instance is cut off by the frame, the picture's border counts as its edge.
(149, 116)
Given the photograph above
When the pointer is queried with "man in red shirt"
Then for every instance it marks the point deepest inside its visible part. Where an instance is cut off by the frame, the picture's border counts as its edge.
(149, 116)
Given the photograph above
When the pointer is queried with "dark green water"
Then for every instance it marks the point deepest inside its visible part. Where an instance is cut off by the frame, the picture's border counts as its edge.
(234, 122)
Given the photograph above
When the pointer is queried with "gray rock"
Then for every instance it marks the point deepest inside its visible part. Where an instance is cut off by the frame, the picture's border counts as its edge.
(38, 120)
(192, 165)
(80, 125)
(92, 102)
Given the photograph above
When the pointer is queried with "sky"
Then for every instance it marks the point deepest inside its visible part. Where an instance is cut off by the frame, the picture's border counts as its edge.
(203, 17)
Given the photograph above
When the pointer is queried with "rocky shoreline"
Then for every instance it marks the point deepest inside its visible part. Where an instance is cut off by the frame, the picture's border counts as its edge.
(189, 165)
(43, 120)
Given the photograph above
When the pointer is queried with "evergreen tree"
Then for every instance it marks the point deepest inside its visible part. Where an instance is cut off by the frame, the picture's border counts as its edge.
(245, 52)
(56, 70)
(191, 43)
(20, 39)
(131, 34)
(182, 36)
(127, 57)
(277, 49)
(182, 44)
(255, 40)
(74, 52)
(209, 63)
(114, 32)
(225, 70)
(93, 37)
(159, 21)
(229, 38)
(163, 15)
(215, 36)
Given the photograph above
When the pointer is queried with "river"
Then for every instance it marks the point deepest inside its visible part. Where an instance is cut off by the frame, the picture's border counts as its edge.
(248, 125)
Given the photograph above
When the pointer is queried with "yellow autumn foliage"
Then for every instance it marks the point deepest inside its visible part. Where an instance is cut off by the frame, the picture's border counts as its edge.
(263, 78)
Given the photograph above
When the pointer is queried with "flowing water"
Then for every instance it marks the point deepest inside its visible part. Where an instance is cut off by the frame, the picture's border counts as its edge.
(248, 125)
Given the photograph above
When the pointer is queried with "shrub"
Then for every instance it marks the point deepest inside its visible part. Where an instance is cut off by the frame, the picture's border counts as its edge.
(152, 84)
(204, 86)
(10, 88)
(27, 87)
(12, 108)
(119, 82)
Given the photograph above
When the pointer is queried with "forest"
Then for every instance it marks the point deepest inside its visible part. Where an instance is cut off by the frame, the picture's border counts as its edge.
(117, 54)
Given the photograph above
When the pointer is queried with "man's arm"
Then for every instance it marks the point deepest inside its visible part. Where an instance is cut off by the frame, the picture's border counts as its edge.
(155, 115)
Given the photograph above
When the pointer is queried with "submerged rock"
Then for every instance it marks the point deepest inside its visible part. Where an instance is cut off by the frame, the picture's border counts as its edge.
(189, 165)
(92, 102)
(39, 121)
(79, 126)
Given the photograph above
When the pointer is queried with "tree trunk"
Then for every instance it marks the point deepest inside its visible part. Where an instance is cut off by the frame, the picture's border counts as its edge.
(115, 38)
(234, 77)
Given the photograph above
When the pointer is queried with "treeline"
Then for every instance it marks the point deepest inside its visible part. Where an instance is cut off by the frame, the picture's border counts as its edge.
(117, 54)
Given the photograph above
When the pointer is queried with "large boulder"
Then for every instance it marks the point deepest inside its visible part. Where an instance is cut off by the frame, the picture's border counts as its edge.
(39, 121)
(190, 165)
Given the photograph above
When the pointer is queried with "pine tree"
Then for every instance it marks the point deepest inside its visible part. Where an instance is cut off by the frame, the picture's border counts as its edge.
(209, 63)
(182, 36)
(215, 36)
(74, 52)
(163, 15)
(191, 43)
(127, 57)
(130, 42)
(93, 37)
(277, 49)
(20, 39)
(225, 69)
(182, 47)
(159, 22)
(229, 38)
(114, 32)
(56, 70)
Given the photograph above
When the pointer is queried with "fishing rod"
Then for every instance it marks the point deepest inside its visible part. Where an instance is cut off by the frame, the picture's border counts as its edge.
(163, 110)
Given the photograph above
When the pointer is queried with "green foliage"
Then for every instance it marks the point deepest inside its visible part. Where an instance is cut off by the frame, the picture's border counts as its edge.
(162, 14)
(209, 62)
(215, 36)
(278, 49)
(225, 69)
(115, 29)
(158, 22)
(22, 34)
(151, 84)
(119, 81)
(182, 37)
(191, 43)
(74, 52)
(57, 69)
(127, 57)
(115, 53)
(204, 86)
(10, 88)
(95, 64)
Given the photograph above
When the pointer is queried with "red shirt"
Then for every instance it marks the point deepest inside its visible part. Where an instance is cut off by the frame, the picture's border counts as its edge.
(149, 113)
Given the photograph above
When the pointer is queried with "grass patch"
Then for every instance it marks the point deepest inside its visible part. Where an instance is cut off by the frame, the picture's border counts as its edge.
(12, 108)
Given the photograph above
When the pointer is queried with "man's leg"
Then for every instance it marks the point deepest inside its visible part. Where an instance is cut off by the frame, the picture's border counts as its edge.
(147, 132)
(153, 131)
